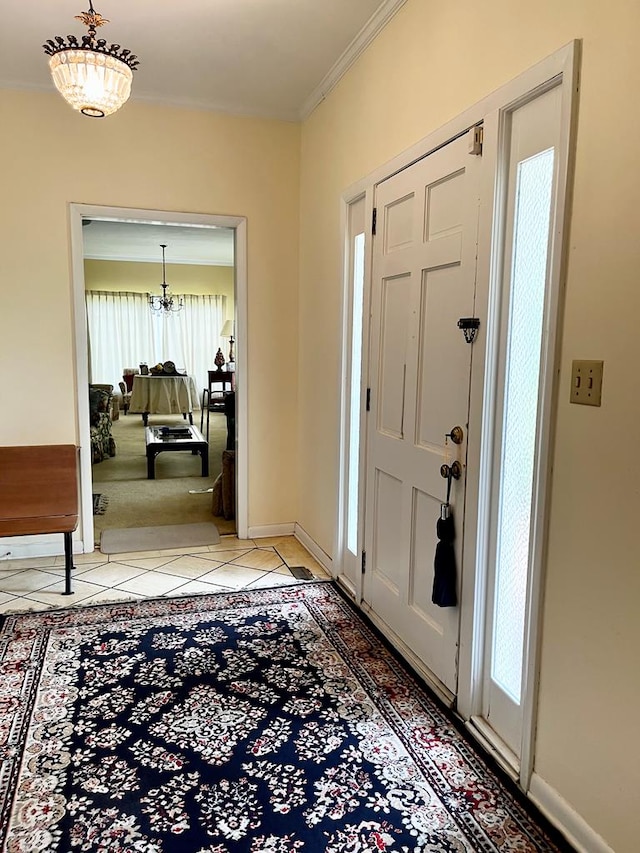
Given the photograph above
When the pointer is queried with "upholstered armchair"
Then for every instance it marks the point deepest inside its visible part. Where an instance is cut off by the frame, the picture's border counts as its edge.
(102, 441)
(126, 386)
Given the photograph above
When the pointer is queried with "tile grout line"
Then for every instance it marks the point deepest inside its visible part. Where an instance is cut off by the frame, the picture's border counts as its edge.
(104, 561)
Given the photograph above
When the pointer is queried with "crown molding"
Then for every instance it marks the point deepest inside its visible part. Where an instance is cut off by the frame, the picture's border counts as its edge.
(288, 116)
(119, 259)
(19, 86)
(361, 42)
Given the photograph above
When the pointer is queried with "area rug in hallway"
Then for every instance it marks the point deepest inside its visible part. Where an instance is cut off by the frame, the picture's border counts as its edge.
(264, 721)
(120, 540)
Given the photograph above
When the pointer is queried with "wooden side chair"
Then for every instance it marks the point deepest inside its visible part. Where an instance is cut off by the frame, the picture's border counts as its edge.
(212, 396)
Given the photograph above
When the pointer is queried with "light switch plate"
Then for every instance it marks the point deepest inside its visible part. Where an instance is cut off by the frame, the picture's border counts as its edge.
(586, 382)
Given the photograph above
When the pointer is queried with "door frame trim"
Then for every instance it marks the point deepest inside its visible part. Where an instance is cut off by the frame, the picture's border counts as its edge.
(562, 64)
(80, 349)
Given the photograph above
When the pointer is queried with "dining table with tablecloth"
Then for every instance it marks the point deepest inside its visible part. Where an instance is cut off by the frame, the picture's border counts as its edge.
(163, 395)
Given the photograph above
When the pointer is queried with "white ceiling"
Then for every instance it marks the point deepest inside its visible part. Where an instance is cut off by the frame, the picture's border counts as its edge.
(111, 240)
(273, 58)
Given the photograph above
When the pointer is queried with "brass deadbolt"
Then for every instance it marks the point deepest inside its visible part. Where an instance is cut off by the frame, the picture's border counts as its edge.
(456, 435)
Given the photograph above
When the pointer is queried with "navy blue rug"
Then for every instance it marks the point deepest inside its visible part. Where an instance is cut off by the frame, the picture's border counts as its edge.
(267, 721)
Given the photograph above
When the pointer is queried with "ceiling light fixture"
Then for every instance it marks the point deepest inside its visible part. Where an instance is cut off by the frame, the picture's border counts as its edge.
(166, 303)
(92, 76)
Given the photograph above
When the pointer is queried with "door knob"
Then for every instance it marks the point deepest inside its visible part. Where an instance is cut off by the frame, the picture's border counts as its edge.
(451, 471)
(456, 435)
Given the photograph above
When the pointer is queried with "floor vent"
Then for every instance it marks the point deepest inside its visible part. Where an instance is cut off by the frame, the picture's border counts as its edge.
(301, 573)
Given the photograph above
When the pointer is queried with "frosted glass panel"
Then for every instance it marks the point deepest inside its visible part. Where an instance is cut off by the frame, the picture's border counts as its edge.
(354, 402)
(527, 290)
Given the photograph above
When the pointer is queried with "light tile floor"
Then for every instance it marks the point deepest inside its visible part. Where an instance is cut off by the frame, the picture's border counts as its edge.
(37, 583)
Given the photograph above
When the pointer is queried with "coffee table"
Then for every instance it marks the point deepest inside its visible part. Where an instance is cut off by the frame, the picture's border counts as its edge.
(160, 439)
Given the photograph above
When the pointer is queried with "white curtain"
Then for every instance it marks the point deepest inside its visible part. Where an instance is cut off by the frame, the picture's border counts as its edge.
(123, 332)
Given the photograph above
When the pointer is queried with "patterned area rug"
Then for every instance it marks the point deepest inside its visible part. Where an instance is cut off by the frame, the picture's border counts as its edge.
(264, 721)
(100, 504)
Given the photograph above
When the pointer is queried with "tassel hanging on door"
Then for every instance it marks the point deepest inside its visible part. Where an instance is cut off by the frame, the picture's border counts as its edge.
(444, 564)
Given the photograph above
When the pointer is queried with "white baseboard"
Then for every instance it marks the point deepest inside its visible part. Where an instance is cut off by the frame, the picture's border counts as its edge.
(22, 547)
(565, 818)
(264, 531)
(313, 548)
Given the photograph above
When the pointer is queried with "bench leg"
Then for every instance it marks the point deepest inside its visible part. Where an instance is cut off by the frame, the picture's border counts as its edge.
(68, 564)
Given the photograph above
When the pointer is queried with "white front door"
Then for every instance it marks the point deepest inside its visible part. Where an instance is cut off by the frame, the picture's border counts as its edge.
(423, 282)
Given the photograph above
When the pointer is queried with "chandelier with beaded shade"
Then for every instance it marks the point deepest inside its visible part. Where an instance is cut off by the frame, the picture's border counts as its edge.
(92, 76)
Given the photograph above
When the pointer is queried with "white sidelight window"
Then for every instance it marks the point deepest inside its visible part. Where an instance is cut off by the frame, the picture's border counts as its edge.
(529, 183)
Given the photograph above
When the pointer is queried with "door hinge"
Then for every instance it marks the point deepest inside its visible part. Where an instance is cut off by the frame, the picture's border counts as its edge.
(364, 561)
(374, 221)
(476, 136)
(368, 399)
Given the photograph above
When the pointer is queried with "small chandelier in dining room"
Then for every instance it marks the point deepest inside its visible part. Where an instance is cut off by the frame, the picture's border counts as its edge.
(92, 76)
(165, 304)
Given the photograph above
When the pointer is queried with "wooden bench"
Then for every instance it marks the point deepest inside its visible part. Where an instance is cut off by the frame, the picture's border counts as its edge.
(39, 494)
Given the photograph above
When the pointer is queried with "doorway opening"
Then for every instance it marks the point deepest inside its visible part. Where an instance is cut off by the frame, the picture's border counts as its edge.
(120, 341)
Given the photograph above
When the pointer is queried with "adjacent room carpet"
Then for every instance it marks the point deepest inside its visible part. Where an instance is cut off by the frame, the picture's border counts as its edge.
(124, 539)
(135, 501)
(264, 720)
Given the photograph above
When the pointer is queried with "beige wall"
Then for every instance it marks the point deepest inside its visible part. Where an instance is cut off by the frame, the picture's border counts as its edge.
(142, 277)
(431, 62)
(146, 157)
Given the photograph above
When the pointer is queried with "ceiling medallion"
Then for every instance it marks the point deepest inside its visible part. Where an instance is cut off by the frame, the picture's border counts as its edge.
(92, 76)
